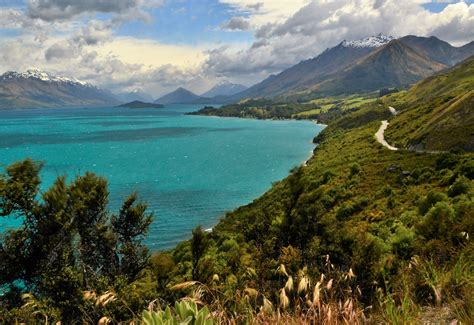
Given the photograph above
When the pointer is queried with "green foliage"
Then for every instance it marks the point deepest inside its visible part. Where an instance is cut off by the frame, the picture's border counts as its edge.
(436, 114)
(355, 169)
(430, 200)
(68, 242)
(321, 109)
(199, 243)
(363, 217)
(19, 188)
(185, 312)
(461, 186)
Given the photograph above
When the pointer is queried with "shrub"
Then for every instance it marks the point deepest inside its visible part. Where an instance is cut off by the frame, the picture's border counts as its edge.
(447, 160)
(402, 241)
(355, 169)
(437, 222)
(467, 169)
(461, 186)
(430, 200)
(185, 312)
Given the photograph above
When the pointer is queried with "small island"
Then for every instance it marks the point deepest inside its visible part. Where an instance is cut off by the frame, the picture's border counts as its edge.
(140, 104)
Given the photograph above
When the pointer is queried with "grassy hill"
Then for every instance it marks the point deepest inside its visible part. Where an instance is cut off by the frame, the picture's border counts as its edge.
(437, 113)
(321, 109)
(395, 220)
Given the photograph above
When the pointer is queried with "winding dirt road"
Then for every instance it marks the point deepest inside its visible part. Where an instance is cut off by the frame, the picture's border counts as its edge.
(379, 135)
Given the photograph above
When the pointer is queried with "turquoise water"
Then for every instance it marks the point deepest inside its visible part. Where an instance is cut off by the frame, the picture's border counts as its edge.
(189, 169)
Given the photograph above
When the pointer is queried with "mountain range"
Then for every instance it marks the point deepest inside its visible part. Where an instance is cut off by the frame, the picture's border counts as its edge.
(224, 89)
(217, 94)
(36, 88)
(360, 66)
(178, 96)
(135, 95)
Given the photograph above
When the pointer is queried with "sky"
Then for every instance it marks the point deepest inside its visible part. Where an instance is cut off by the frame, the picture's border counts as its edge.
(155, 46)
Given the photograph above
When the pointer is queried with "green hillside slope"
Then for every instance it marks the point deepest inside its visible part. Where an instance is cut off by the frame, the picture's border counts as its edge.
(437, 113)
(397, 219)
(366, 209)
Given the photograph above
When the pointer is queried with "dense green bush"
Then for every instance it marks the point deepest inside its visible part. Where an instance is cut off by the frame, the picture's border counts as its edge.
(68, 242)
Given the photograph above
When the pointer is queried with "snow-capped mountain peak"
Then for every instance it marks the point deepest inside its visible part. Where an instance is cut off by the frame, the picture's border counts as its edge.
(43, 76)
(372, 41)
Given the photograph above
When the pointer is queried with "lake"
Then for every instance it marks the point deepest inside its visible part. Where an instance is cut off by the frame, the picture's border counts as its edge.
(189, 169)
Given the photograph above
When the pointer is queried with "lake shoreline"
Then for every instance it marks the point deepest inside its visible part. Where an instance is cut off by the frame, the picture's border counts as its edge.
(195, 170)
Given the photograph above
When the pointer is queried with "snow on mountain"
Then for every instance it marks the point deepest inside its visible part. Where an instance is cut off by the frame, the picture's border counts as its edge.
(35, 88)
(44, 76)
(224, 88)
(372, 41)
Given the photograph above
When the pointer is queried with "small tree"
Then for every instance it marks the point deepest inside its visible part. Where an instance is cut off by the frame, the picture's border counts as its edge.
(68, 241)
(130, 226)
(199, 243)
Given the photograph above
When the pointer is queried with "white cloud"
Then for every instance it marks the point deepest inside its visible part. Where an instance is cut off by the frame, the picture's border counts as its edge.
(119, 64)
(152, 53)
(322, 23)
(266, 11)
(285, 32)
(455, 23)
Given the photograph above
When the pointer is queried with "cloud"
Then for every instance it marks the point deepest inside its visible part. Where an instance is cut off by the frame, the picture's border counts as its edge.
(152, 53)
(237, 23)
(52, 10)
(95, 32)
(255, 6)
(266, 11)
(55, 35)
(118, 64)
(455, 23)
(59, 51)
(11, 18)
(321, 24)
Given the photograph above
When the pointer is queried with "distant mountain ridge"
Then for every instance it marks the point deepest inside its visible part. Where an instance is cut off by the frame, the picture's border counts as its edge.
(134, 96)
(224, 89)
(357, 66)
(217, 94)
(178, 96)
(337, 69)
(43, 76)
(35, 88)
(439, 50)
(392, 65)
